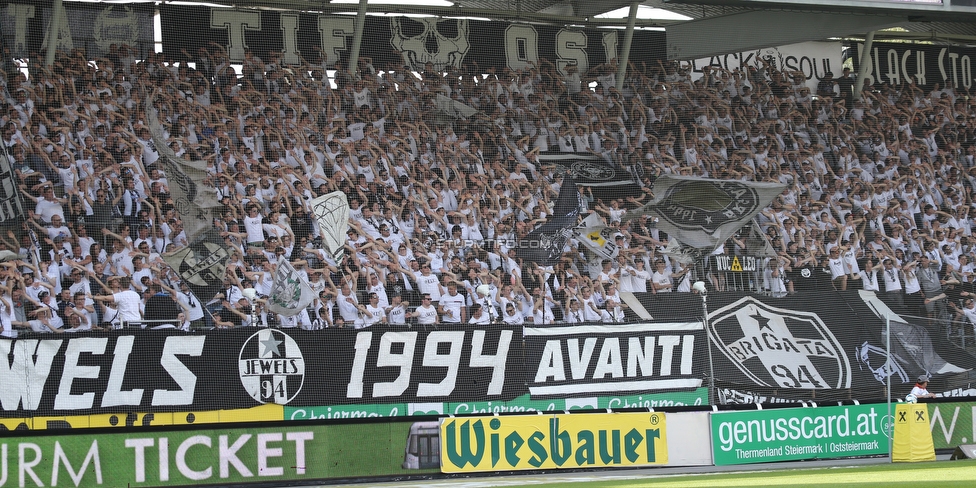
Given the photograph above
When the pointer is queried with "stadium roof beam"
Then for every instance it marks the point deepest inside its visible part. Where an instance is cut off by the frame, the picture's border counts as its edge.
(752, 30)
(933, 36)
(53, 32)
(628, 39)
(456, 11)
(357, 38)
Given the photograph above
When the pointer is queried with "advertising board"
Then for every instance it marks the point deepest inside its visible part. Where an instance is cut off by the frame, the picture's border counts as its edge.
(263, 413)
(224, 456)
(790, 434)
(952, 424)
(508, 443)
(521, 404)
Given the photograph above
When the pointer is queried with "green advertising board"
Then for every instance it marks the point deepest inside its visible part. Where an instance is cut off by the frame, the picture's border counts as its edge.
(221, 456)
(952, 424)
(761, 436)
(522, 404)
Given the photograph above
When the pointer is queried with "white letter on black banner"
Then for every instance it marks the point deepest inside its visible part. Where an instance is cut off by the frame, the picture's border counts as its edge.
(404, 361)
(333, 32)
(23, 381)
(114, 396)
(355, 387)
(551, 364)
(571, 50)
(289, 38)
(65, 400)
(451, 361)
(187, 381)
(521, 46)
(235, 22)
(496, 362)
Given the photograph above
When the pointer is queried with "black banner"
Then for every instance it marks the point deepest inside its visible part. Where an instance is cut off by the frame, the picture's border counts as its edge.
(583, 360)
(820, 346)
(921, 64)
(605, 180)
(170, 371)
(545, 243)
(11, 202)
(395, 41)
(92, 27)
(814, 346)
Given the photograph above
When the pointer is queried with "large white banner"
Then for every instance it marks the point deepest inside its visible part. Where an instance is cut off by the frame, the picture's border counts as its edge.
(814, 59)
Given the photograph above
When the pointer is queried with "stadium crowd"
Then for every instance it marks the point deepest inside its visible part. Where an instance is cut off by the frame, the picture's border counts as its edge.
(879, 189)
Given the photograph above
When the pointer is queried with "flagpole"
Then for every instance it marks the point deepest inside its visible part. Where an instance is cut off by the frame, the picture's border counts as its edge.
(251, 294)
(699, 288)
(888, 373)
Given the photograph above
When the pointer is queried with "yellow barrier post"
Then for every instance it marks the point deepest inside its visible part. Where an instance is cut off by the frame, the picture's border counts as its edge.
(912, 437)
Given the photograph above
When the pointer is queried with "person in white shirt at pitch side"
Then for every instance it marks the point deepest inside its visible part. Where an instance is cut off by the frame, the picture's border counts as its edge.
(920, 390)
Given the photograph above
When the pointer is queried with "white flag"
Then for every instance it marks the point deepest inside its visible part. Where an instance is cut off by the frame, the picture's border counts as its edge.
(196, 202)
(600, 240)
(290, 293)
(332, 213)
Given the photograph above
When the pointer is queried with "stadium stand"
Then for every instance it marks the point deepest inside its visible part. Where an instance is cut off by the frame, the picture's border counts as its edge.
(878, 196)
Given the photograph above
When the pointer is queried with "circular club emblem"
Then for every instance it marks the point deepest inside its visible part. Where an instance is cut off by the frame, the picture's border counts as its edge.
(591, 171)
(271, 367)
(779, 348)
(706, 205)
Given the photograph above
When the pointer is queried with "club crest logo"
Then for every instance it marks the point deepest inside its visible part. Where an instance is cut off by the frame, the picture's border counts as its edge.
(779, 348)
(271, 367)
(707, 205)
(588, 170)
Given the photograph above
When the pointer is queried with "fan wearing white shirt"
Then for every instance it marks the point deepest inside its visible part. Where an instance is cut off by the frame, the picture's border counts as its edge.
(478, 315)
(426, 313)
(573, 313)
(612, 313)
(542, 313)
(374, 313)
(396, 313)
(127, 302)
(511, 316)
(451, 305)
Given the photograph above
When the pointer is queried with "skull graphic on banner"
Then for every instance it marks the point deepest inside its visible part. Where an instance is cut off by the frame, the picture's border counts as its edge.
(440, 42)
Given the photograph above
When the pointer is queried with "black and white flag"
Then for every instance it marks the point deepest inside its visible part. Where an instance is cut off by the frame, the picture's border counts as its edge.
(703, 213)
(11, 202)
(195, 202)
(545, 243)
(290, 293)
(332, 214)
(201, 264)
(607, 180)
